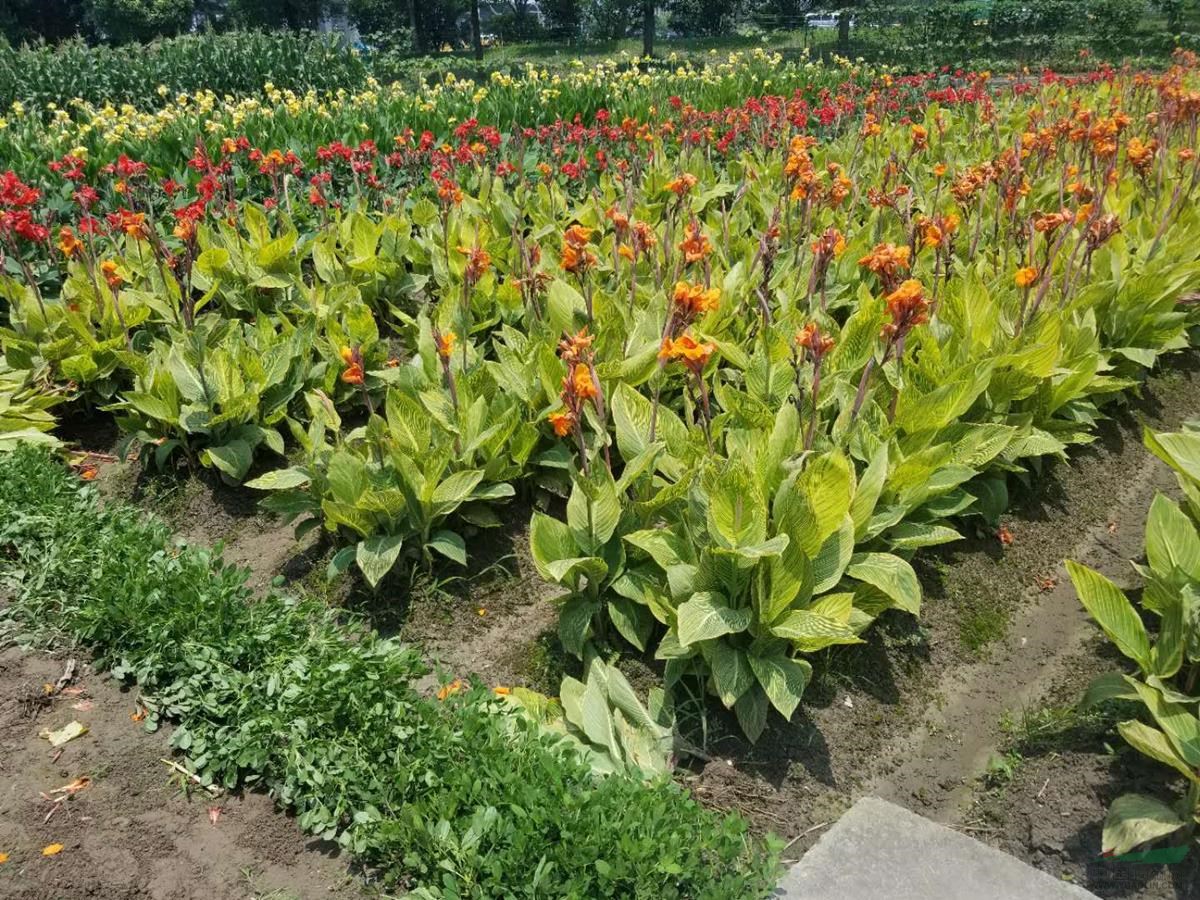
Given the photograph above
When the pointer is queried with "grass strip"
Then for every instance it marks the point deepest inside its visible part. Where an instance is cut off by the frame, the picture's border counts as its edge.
(450, 799)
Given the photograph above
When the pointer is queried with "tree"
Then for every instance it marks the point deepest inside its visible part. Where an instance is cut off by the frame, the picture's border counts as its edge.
(51, 20)
(647, 27)
(121, 21)
(476, 37)
(293, 14)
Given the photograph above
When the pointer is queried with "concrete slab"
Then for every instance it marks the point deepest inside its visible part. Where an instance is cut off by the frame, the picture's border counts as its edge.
(880, 851)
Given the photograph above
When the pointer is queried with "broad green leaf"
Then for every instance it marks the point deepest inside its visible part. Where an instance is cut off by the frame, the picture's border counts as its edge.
(810, 631)
(706, 616)
(783, 679)
(377, 554)
(731, 671)
(279, 480)
(890, 574)
(450, 544)
(1112, 611)
(1135, 819)
(1171, 540)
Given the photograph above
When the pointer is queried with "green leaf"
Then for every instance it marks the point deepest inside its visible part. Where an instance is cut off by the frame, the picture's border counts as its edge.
(279, 480)
(593, 509)
(811, 507)
(1171, 540)
(1178, 722)
(233, 459)
(450, 493)
(574, 624)
(783, 679)
(1109, 686)
(732, 675)
(810, 631)
(1112, 611)
(751, 710)
(377, 554)
(1153, 743)
(1135, 819)
(706, 616)
(549, 540)
(890, 574)
(450, 544)
(790, 577)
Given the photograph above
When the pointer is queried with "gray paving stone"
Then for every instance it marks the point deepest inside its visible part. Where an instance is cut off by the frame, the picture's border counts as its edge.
(880, 851)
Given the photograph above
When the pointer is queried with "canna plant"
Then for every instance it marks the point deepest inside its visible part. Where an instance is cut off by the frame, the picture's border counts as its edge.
(438, 454)
(603, 720)
(1165, 685)
(216, 393)
(25, 403)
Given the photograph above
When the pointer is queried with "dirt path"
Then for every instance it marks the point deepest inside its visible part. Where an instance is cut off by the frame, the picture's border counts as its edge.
(960, 729)
(133, 833)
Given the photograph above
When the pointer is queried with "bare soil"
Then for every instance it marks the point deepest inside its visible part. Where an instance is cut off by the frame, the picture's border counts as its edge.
(139, 830)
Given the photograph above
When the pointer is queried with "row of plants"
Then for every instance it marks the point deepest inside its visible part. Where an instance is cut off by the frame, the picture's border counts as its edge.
(1160, 635)
(742, 389)
(463, 796)
(274, 115)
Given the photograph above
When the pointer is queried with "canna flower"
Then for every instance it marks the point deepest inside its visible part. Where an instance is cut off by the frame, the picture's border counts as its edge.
(1051, 222)
(478, 262)
(832, 243)
(810, 338)
(576, 260)
(452, 688)
(908, 308)
(695, 245)
(619, 219)
(693, 354)
(939, 170)
(353, 373)
(1025, 276)
(581, 382)
(887, 261)
(1141, 154)
(445, 344)
(109, 270)
(626, 252)
(68, 243)
(681, 185)
(577, 236)
(694, 300)
(562, 421)
(920, 137)
(576, 348)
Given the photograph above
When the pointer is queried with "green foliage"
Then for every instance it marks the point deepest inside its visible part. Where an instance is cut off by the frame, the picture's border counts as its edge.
(451, 800)
(140, 20)
(1168, 664)
(217, 392)
(25, 402)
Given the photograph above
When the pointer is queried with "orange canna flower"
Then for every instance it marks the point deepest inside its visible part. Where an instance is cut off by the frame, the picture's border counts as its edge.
(810, 338)
(681, 185)
(1025, 276)
(908, 308)
(939, 170)
(562, 422)
(694, 299)
(920, 137)
(109, 270)
(695, 245)
(577, 236)
(582, 384)
(478, 262)
(887, 261)
(68, 243)
(445, 344)
(577, 260)
(625, 252)
(353, 373)
(693, 354)
(452, 688)
(619, 219)
(576, 348)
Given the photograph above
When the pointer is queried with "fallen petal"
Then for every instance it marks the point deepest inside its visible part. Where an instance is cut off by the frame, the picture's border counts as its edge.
(52, 850)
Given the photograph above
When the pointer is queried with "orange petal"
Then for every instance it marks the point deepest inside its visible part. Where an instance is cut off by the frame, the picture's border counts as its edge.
(3, 858)
(52, 850)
